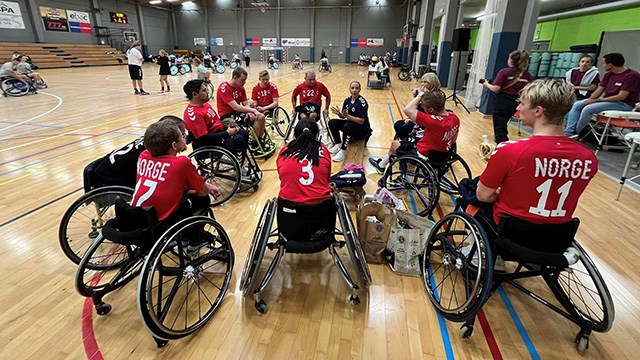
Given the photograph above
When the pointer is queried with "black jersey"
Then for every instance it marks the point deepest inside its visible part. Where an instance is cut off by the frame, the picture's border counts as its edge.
(119, 167)
(358, 108)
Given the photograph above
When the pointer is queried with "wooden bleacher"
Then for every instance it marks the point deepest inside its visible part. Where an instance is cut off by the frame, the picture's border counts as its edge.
(47, 56)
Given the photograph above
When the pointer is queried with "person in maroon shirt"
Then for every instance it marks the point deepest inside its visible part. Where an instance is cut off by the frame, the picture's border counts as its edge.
(620, 86)
(585, 78)
(311, 92)
(507, 84)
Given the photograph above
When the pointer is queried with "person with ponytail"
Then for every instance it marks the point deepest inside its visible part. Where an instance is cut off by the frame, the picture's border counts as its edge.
(304, 166)
(507, 85)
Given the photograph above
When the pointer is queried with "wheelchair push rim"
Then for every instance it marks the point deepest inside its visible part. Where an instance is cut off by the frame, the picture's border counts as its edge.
(251, 268)
(457, 281)
(180, 290)
(174, 70)
(356, 253)
(450, 174)
(280, 121)
(82, 223)
(219, 166)
(15, 88)
(413, 181)
(220, 69)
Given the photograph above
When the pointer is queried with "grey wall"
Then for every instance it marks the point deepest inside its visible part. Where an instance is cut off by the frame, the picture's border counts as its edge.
(59, 37)
(20, 35)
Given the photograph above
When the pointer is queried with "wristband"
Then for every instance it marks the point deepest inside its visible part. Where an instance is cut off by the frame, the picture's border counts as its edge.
(420, 93)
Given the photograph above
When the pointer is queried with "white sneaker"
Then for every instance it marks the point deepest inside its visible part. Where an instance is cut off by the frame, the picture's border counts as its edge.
(339, 156)
(572, 254)
(335, 149)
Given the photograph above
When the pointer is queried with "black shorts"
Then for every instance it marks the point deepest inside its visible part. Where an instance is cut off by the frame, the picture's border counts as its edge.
(308, 108)
(240, 118)
(135, 72)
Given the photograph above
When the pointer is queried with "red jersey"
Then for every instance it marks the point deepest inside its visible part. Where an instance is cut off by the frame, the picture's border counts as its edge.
(161, 182)
(227, 93)
(201, 120)
(302, 182)
(541, 178)
(265, 96)
(310, 94)
(440, 132)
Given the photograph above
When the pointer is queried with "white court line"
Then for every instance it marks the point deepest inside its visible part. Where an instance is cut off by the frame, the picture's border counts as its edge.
(116, 76)
(37, 116)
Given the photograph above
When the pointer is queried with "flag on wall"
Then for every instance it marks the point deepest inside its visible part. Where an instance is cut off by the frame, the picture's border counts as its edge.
(10, 16)
(252, 41)
(367, 42)
(358, 42)
(79, 22)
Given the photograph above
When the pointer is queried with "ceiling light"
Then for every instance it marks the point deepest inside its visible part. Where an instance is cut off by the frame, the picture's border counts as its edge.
(153, 2)
(172, 0)
(187, 3)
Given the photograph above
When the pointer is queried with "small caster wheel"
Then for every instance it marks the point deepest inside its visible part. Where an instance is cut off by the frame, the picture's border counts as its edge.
(354, 300)
(582, 342)
(261, 306)
(103, 308)
(255, 187)
(466, 331)
(161, 343)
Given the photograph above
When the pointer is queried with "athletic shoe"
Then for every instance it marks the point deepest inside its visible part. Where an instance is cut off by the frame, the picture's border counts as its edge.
(137, 92)
(168, 90)
(161, 92)
(572, 254)
(339, 156)
(142, 92)
(335, 149)
(375, 162)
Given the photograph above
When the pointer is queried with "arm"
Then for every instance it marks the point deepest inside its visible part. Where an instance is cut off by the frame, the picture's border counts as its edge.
(242, 107)
(273, 105)
(411, 109)
(589, 88)
(494, 88)
(619, 97)
(487, 194)
(594, 97)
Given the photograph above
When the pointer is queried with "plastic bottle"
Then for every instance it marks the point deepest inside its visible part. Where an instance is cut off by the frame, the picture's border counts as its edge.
(486, 148)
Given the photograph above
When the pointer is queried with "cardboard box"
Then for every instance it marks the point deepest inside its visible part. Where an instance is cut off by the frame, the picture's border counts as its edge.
(374, 222)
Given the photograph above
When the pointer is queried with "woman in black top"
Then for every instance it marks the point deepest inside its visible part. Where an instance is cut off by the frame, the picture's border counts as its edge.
(353, 122)
(163, 61)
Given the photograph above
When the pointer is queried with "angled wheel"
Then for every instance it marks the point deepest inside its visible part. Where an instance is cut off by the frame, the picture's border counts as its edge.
(82, 223)
(185, 278)
(15, 88)
(182, 70)
(220, 69)
(326, 137)
(450, 174)
(118, 264)
(583, 286)
(404, 74)
(174, 70)
(329, 67)
(292, 125)
(280, 120)
(276, 66)
(412, 180)
(219, 166)
(251, 268)
(455, 264)
(187, 68)
(233, 65)
(353, 244)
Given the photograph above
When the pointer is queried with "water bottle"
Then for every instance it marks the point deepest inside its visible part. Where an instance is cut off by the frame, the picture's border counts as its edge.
(486, 148)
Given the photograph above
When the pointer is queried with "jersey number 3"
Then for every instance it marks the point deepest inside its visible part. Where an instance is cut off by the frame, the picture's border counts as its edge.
(309, 170)
(544, 190)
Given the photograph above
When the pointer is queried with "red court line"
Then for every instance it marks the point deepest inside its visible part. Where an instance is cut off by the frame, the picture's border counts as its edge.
(482, 319)
(89, 341)
(397, 105)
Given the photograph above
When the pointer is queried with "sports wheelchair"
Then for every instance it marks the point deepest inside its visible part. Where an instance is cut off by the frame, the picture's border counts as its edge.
(277, 120)
(325, 134)
(297, 65)
(418, 180)
(185, 270)
(273, 64)
(324, 66)
(317, 234)
(232, 172)
(459, 271)
(15, 88)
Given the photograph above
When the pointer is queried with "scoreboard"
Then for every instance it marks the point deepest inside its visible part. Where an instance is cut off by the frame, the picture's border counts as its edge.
(119, 18)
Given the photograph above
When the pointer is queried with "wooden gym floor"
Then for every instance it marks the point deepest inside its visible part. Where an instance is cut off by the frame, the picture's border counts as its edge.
(48, 138)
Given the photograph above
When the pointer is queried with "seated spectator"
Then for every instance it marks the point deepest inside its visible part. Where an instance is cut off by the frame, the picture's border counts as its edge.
(440, 131)
(233, 103)
(353, 122)
(382, 69)
(620, 86)
(585, 78)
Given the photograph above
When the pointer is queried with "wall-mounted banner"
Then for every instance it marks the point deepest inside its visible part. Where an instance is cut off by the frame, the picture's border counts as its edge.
(10, 16)
(375, 42)
(200, 41)
(216, 41)
(269, 41)
(269, 48)
(252, 42)
(54, 19)
(79, 22)
(302, 42)
(367, 42)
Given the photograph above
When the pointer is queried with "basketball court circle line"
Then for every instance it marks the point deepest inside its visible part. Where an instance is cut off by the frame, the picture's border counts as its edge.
(37, 116)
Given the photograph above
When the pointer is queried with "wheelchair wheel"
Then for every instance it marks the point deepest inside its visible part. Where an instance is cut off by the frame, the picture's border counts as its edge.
(186, 68)
(353, 244)
(292, 125)
(182, 70)
(276, 66)
(14, 88)
(233, 65)
(182, 286)
(404, 74)
(583, 286)
(174, 70)
(258, 246)
(118, 265)
(280, 120)
(82, 223)
(451, 173)
(329, 68)
(458, 267)
(219, 166)
(412, 180)
(220, 69)
(325, 134)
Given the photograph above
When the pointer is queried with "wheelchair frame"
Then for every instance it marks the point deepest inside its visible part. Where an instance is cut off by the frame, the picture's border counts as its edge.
(189, 268)
(8, 86)
(325, 134)
(591, 309)
(261, 242)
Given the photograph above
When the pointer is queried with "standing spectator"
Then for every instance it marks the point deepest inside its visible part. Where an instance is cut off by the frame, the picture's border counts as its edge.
(507, 84)
(585, 78)
(620, 86)
(163, 61)
(247, 56)
(135, 60)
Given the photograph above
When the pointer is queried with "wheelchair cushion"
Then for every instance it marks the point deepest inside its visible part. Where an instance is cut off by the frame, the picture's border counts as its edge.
(307, 228)
(89, 177)
(541, 244)
(132, 225)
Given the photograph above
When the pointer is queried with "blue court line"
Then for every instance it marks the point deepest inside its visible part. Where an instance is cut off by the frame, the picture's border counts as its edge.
(32, 124)
(516, 320)
(442, 323)
(60, 155)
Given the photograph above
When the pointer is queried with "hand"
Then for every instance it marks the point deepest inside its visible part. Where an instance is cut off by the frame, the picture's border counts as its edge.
(336, 110)
(232, 131)
(590, 101)
(345, 112)
(214, 190)
(260, 109)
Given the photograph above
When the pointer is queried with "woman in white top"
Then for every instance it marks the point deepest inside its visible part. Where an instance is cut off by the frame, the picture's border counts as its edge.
(382, 69)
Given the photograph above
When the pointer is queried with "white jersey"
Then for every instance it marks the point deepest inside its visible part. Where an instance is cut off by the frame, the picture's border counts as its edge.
(134, 57)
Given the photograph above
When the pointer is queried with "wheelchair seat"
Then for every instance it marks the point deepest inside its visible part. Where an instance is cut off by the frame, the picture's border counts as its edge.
(132, 225)
(313, 234)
